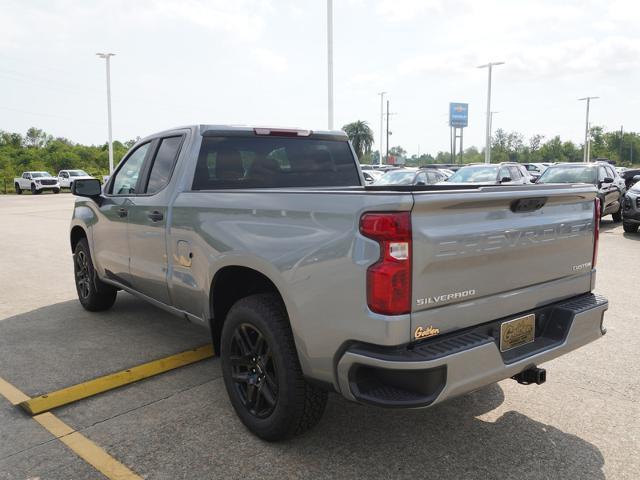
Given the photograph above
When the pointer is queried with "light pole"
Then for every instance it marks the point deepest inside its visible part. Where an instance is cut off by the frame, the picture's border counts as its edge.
(491, 123)
(585, 156)
(107, 57)
(487, 148)
(381, 125)
(330, 60)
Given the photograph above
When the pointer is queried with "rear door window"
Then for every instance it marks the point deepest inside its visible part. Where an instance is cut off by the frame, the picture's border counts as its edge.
(274, 162)
(163, 163)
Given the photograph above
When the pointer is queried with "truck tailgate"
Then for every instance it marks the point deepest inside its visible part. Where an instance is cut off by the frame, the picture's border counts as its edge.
(482, 254)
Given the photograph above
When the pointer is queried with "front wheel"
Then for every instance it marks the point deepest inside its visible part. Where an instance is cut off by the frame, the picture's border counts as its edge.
(34, 190)
(630, 227)
(617, 216)
(56, 190)
(18, 189)
(94, 295)
(262, 373)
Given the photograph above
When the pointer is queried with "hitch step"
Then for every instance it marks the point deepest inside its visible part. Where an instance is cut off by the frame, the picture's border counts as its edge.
(531, 375)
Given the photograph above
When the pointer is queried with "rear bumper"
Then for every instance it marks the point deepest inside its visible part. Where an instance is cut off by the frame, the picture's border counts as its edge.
(424, 373)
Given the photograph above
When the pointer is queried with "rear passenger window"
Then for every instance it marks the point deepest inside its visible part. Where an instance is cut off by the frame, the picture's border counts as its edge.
(163, 163)
(272, 162)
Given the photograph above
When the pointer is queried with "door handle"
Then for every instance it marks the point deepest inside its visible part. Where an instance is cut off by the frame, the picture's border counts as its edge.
(155, 216)
(122, 212)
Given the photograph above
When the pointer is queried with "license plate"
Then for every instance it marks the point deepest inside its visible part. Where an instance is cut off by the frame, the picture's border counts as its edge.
(516, 332)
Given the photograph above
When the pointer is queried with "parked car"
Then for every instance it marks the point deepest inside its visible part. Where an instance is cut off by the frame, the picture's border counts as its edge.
(629, 177)
(491, 174)
(447, 171)
(370, 176)
(611, 172)
(534, 169)
(599, 174)
(309, 281)
(411, 176)
(67, 177)
(631, 209)
(37, 182)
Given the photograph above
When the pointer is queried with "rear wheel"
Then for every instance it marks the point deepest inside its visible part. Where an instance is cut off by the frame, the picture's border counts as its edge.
(262, 372)
(94, 295)
(18, 189)
(630, 227)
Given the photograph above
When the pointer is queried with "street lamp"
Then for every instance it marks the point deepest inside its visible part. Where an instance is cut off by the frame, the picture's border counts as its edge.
(330, 60)
(381, 124)
(587, 141)
(107, 57)
(487, 148)
(491, 123)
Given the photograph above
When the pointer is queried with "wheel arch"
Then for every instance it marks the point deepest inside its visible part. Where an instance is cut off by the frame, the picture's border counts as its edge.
(230, 284)
(77, 233)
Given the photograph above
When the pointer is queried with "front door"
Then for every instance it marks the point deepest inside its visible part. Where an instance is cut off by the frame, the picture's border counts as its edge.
(148, 222)
(111, 243)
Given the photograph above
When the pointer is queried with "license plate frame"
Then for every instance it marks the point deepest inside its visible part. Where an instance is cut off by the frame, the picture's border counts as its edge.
(517, 332)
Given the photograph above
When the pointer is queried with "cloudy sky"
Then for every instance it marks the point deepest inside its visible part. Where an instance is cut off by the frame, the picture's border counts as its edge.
(264, 62)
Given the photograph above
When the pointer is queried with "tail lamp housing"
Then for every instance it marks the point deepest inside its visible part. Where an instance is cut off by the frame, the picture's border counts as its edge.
(389, 279)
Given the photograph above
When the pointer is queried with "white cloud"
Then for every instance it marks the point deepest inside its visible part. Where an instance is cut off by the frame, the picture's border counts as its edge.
(404, 10)
(271, 60)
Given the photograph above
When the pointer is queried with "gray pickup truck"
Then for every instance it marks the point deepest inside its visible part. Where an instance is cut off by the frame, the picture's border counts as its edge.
(311, 282)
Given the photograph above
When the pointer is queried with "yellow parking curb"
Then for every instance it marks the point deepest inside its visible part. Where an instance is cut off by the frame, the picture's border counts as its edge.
(75, 441)
(52, 400)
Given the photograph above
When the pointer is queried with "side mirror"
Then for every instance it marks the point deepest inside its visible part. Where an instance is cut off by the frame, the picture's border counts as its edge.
(505, 179)
(607, 180)
(89, 187)
(420, 183)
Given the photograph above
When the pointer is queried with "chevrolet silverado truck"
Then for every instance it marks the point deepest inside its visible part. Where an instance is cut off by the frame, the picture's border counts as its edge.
(312, 282)
(36, 182)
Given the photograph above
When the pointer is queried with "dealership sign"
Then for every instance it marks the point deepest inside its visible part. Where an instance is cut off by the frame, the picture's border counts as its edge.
(458, 115)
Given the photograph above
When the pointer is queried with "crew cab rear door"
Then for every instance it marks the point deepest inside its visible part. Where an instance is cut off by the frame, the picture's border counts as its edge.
(485, 253)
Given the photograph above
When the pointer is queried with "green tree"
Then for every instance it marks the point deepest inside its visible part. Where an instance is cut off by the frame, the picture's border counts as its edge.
(361, 136)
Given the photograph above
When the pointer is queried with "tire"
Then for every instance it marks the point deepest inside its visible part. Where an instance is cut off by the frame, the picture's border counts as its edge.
(94, 295)
(56, 190)
(617, 217)
(33, 189)
(262, 373)
(18, 189)
(630, 227)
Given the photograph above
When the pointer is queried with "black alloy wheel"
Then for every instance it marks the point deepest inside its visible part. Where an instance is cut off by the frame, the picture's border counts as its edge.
(83, 279)
(253, 371)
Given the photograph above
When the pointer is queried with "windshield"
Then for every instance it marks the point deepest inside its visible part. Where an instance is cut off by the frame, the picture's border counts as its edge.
(40, 174)
(397, 177)
(78, 173)
(569, 174)
(474, 175)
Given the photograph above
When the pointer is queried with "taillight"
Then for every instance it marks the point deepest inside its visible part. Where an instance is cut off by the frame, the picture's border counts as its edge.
(596, 231)
(389, 279)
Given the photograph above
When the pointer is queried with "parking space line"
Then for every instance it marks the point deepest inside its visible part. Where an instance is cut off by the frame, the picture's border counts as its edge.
(11, 393)
(52, 400)
(75, 441)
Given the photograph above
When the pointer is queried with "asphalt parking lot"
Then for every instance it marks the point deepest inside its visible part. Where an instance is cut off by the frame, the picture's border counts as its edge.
(583, 423)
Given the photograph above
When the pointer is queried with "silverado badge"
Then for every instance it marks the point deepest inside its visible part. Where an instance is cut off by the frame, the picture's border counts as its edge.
(426, 332)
